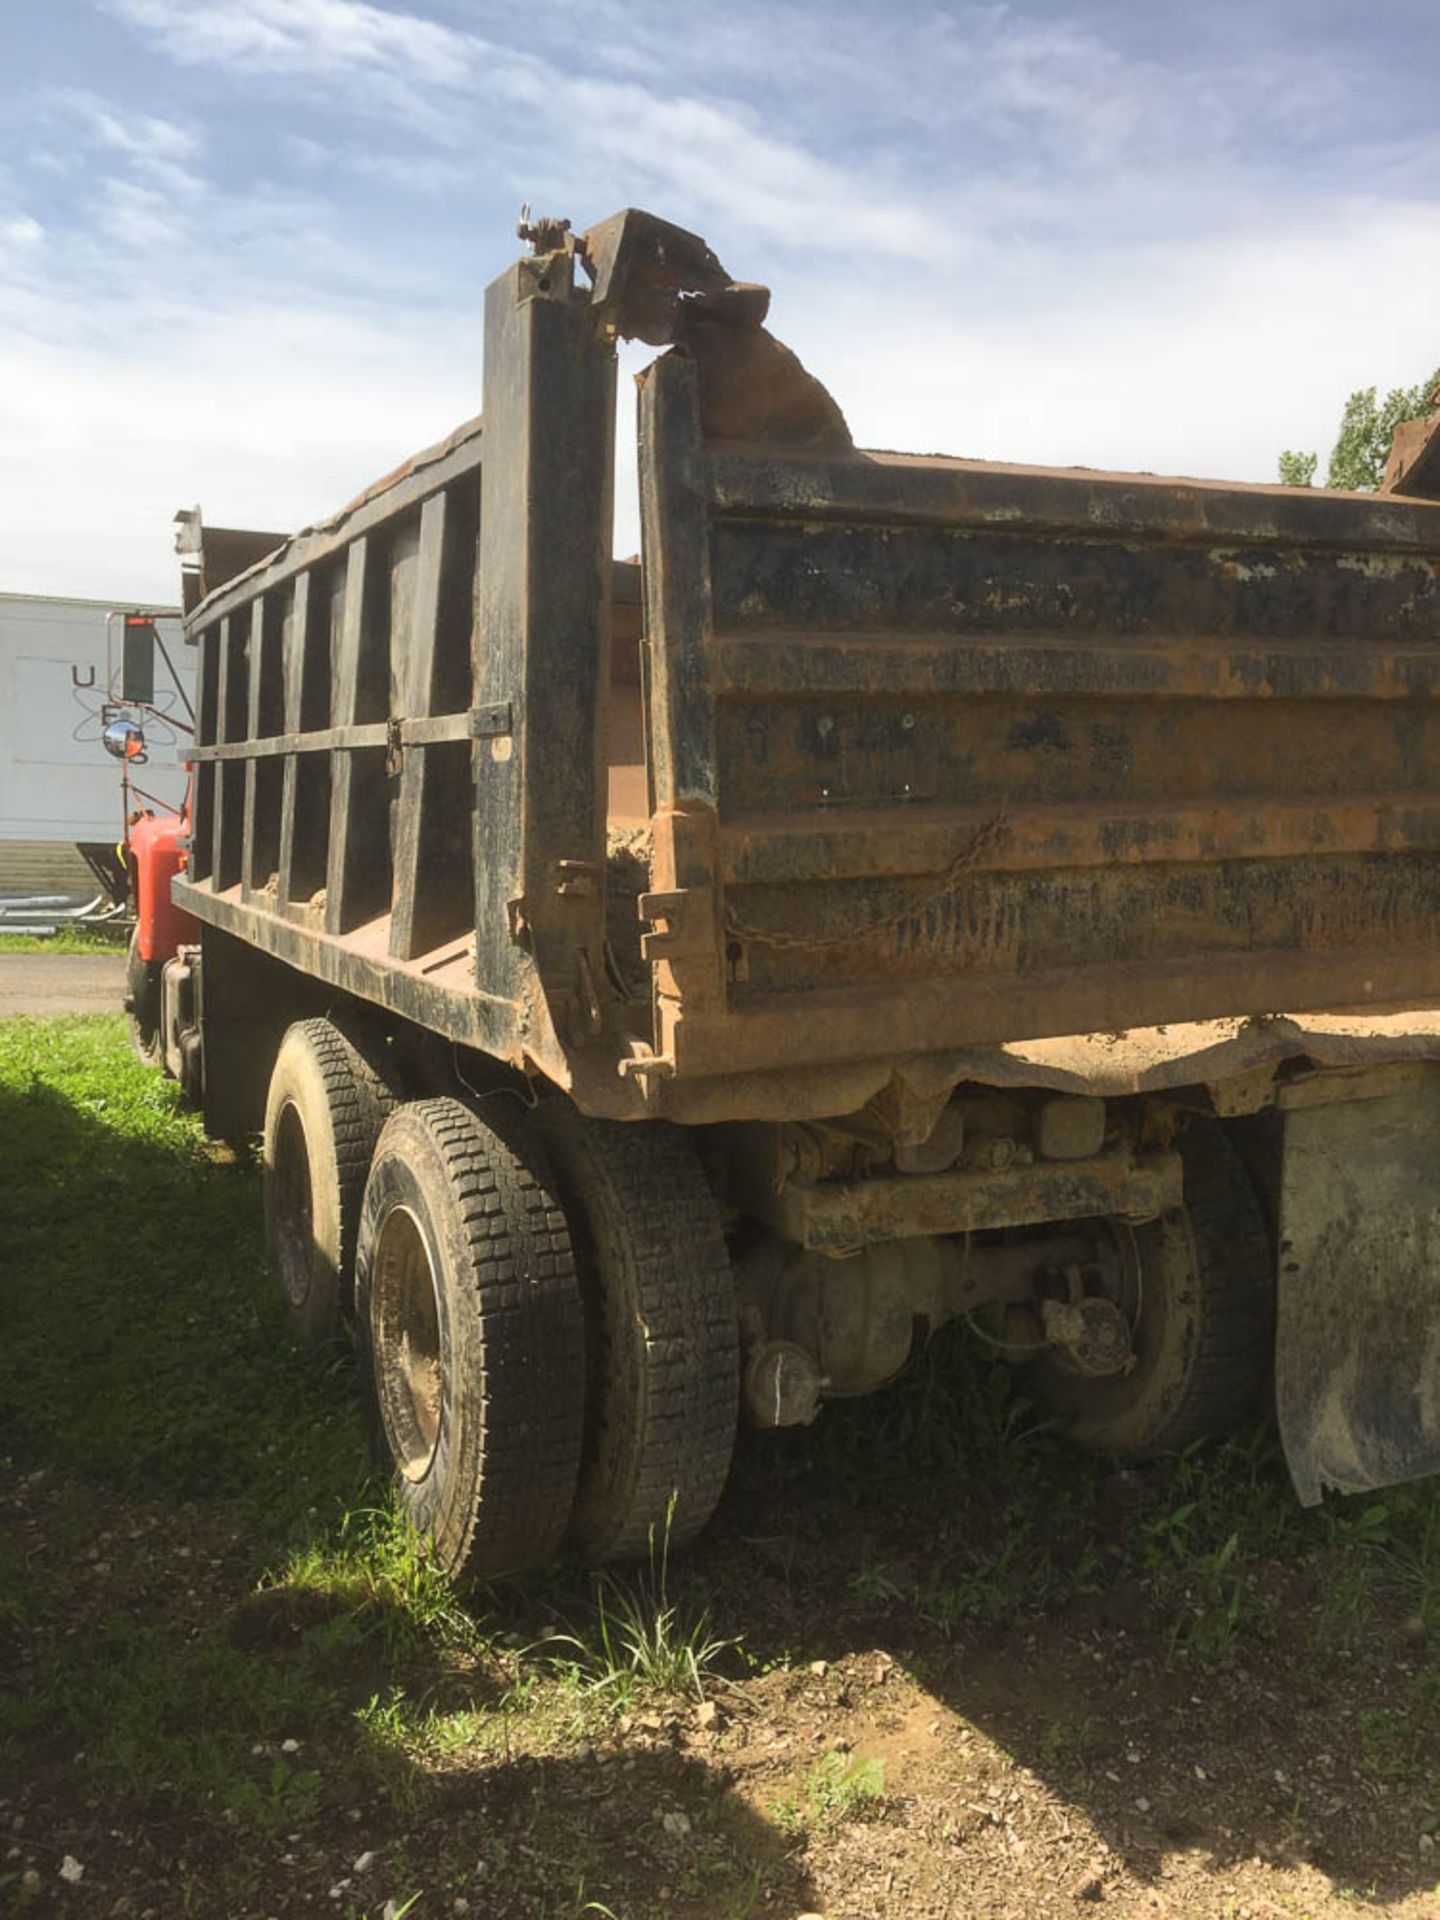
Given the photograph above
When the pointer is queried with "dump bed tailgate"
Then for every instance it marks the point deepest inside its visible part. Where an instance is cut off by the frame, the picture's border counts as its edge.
(954, 753)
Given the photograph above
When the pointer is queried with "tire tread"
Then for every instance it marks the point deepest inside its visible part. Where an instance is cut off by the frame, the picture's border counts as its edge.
(644, 1185)
(357, 1095)
(361, 1099)
(1232, 1246)
(519, 1271)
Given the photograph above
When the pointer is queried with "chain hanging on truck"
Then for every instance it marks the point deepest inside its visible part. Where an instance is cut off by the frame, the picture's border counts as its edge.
(984, 837)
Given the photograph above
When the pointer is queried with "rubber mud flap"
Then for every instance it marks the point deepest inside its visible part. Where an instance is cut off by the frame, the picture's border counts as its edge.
(1358, 1338)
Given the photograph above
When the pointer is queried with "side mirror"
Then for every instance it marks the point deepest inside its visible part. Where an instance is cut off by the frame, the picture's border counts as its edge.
(137, 672)
(125, 738)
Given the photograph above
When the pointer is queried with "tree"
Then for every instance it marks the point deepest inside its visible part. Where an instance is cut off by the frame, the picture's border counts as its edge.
(1362, 445)
(1298, 469)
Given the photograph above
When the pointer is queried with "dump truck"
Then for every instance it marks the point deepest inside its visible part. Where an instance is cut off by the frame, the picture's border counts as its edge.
(919, 889)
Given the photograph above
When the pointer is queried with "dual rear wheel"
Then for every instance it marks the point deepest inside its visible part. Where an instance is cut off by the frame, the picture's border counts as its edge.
(546, 1319)
(542, 1305)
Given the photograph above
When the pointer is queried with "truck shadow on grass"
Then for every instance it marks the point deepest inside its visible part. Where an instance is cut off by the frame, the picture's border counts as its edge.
(227, 1674)
(927, 1638)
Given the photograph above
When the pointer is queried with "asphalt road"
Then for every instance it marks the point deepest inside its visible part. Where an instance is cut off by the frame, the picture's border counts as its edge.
(49, 983)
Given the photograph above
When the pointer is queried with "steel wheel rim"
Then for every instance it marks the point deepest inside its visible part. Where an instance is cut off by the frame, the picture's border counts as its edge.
(405, 1323)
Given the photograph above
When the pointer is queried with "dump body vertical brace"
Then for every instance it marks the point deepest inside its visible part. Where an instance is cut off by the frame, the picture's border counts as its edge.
(294, 709)
(542, 649)
(687, 948)
(411, 931)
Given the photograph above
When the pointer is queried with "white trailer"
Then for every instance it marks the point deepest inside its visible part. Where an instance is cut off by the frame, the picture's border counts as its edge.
(62, 675)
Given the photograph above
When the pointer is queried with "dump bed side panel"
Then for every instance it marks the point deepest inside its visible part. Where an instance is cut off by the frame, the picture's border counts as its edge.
(333, 795)
(981, 753)
(402, 748)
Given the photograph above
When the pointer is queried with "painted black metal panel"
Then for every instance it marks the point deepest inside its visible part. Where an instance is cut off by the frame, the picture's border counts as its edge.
(542, 645)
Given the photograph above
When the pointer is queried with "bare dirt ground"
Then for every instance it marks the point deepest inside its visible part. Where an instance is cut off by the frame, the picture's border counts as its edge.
(54, 983)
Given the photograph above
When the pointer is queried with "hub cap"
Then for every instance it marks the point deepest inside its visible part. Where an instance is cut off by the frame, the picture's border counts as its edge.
(405, 1328)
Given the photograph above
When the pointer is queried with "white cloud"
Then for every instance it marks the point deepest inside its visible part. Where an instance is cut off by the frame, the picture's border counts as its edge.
(195, 343)
(304, 36)
(268, 419)
(1200, 357)
(143, 138)
(394, 64)
(721, 162)
(19, 234)
(159, 153)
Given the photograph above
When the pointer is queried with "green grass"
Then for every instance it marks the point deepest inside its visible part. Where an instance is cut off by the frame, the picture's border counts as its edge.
(147, 1370)
(142, 1359)
(837, 1788)
(842, 1786)
(372, 1565)
(140, 1349)
(641, 1642)
(1040, 1522)
(162, 1716)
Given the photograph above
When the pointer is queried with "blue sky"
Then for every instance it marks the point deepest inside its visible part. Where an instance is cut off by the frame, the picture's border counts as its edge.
(243, 242)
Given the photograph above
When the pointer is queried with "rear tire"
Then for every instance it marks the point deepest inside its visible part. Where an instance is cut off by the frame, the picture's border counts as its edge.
(1203, 1317)
(469, 1320)
(662, 1331)
(330, 1095)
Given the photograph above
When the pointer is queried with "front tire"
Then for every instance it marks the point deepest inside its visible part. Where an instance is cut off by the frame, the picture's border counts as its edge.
(470, 1325)
(1199, 1288)
(143, 1005)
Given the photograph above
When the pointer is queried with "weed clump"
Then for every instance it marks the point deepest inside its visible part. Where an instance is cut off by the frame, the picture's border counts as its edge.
(641, 1642)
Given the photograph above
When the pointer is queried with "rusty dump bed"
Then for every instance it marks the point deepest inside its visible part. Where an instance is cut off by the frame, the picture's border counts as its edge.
(932, 759)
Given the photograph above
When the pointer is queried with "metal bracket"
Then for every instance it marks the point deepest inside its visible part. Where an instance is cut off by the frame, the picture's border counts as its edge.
(490, 723)
(683, 926)
(655, 1066)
